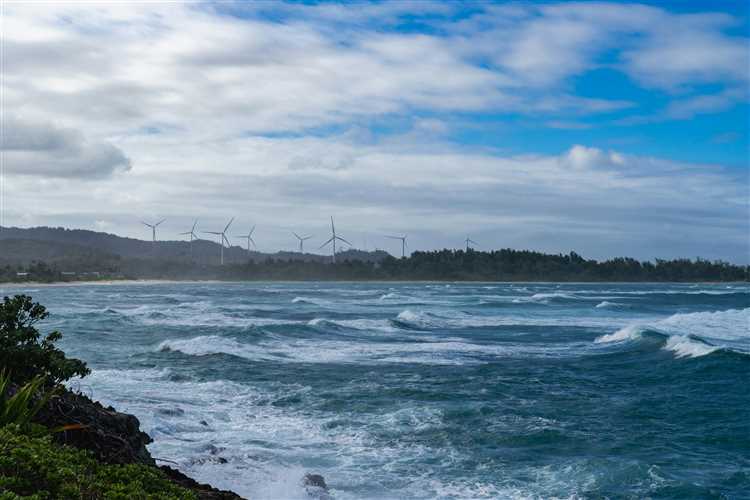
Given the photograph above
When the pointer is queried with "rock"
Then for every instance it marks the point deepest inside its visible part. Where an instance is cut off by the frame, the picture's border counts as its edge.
(213, 449)
(208, 460)
(316, 487)
(315, 480)
(203, 491)
(113, 437)
(171, 412)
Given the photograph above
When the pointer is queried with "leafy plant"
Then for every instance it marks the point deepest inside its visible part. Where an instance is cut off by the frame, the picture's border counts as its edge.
(23, 354)
(35, 467)
(21, 407)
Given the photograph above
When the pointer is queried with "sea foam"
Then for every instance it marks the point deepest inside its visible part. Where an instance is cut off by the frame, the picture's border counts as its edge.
(694, 334)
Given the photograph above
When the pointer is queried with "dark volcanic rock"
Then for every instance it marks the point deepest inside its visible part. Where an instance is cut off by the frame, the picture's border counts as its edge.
(315, 480)
(112, 437)
(204, 491)
(315, 486)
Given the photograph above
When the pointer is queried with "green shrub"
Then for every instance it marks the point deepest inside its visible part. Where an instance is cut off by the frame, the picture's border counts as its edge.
(35, 468)
(22, 353)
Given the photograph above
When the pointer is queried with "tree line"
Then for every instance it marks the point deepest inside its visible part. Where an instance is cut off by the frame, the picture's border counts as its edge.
(439, 265)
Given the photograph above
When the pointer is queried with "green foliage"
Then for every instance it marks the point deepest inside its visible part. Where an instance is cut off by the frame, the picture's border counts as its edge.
(21, 407)
(22, 354)
(36, 468)
(452, 265)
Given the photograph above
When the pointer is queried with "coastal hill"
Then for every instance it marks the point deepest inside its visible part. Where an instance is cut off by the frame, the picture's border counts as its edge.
(22, 246)
(57, 254)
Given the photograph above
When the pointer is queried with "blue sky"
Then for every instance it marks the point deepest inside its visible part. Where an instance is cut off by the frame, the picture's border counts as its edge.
(718, 134)
(608, 128)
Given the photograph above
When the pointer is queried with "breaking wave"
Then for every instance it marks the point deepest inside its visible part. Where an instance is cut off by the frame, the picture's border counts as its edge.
(694, 334)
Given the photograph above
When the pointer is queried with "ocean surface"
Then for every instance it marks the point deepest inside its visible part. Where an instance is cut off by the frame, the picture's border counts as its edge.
(421, 390)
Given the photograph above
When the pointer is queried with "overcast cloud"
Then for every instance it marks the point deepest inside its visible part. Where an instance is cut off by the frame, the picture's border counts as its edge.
(113, 113)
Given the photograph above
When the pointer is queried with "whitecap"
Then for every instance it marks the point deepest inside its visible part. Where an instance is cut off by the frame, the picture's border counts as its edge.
(364, 324)
(685, 347)
(630, 332)
(694, 334)
(605, 304)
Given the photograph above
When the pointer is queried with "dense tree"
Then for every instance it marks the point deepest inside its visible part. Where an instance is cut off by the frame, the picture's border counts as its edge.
(24, 353)
(453, 265)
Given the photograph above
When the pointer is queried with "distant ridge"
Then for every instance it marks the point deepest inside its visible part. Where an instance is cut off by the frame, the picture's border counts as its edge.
(24, 245)
(58, 254)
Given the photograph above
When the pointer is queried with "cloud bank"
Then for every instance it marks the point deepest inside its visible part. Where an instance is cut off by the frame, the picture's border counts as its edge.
(41, 149)
(283, 114)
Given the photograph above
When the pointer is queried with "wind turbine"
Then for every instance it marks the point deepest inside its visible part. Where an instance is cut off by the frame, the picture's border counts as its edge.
(192, 236)
(403, 243)
(223, 238)
(301, 241)
(333, 239)
(250, 239)
(153, 228)
(468, 241)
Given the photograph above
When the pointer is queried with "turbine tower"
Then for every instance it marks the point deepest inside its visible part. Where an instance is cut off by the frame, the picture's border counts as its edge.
(403, 243)
(249, 237)
(192, 236)
(153, 228)
(301, 241)
(468, 241)
(333, 239)
(222, 238)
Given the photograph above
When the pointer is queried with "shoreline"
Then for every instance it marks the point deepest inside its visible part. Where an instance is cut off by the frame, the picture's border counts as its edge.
(214, 281)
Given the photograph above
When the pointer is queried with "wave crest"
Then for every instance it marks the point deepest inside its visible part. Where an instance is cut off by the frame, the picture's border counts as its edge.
(694, 334)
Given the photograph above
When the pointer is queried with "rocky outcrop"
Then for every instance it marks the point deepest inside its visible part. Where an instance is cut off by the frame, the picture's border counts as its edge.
(116, 438)
(113, 437)
(316, 487)
(203, 491)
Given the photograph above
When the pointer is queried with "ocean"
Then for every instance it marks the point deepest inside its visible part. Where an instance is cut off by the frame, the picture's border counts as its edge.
(426, 390)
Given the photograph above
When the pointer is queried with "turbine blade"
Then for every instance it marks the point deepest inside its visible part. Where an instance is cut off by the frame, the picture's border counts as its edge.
(146, 224)
(333, 229)
(159, 222)
(211, 232)
(194, 224)
(342, 239)
(296, 235)
(327, 242)
(252, 241)
(229, 224)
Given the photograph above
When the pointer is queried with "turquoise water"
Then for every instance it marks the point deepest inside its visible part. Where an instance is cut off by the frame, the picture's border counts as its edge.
(428, 390)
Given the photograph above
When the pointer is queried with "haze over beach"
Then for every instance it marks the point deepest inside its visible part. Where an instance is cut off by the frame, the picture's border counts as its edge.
(337, 250)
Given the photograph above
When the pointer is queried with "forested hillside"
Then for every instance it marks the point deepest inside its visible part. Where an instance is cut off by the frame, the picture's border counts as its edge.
(22, 246)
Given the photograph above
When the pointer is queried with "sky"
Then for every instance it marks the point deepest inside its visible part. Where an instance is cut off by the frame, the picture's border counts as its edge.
(607, 128)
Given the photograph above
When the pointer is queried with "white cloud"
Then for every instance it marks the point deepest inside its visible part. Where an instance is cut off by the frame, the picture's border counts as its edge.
(689, 50)
(220, 115)
(585, 198)
(702, 104)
